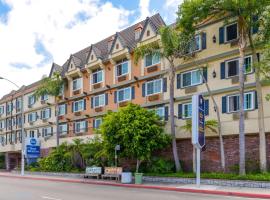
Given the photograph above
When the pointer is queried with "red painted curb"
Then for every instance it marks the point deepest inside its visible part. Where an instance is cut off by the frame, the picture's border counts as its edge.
(199, 191)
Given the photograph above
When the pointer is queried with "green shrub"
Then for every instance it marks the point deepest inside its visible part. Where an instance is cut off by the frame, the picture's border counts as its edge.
(158, 165)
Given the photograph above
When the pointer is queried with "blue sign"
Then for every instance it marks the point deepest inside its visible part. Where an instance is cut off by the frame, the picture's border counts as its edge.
(201, 121)
(32, 148)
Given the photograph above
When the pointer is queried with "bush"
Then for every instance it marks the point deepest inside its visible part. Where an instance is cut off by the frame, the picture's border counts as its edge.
(158, 165)
(2, 161)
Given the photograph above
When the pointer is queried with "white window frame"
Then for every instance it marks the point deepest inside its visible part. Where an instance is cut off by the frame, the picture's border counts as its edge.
(128, 70)
(235, 95)
(2, 110)
(61, 131)
(157, 92)
(33, 114)
(152, 64)
(2, 124)
(162, 110)
(44, 97)
(225, 32)
(78, 106)
(95, 122)
(9, 107)
(81, 130)
(48, 131)
(76, 80)
(124, 89)
(200, 44)
(45, 113)
(192, 84)
(183, 110)
(32, 100)
(97, 72)
(99, 105)
(235, 59)
(60, 107)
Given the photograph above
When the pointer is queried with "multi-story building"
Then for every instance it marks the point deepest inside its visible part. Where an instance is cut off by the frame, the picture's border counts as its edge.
(104, 76)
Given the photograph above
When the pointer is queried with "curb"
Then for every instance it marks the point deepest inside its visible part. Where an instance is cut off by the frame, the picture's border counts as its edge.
(163, 188)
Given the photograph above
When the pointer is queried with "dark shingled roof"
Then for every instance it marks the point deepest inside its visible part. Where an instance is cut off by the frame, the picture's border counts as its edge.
(101, 49)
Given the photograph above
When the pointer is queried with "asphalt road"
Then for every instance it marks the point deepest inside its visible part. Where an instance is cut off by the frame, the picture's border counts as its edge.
(22, 189)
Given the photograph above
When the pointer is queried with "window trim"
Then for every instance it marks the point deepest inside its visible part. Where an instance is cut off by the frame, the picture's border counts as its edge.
(81, 100)
(44, 112)
(130, 92)
(98, 96)
(65, 132)
(31, 121)
(233, 95)
(61, 105)
(186, 72)
(152, 61)
(49, 133)
(80, 78)
(2, 109)
(92, 76)
(126, 61)
(234, 59)
(225, 32)
(31, 97)
(97, 119)
(163, 111)
(81, 129)
(183, 110)
(146, 87)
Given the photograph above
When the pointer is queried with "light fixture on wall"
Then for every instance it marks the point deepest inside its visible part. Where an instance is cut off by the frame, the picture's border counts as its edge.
(214, 74)
(214, 39)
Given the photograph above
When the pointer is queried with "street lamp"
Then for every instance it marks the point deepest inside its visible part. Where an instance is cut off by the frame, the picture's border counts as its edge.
(22, 127)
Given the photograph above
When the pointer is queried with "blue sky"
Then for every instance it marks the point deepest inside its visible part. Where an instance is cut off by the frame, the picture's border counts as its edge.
(33, 34)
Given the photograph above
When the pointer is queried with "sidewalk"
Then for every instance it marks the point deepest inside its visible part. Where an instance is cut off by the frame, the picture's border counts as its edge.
(203, 189)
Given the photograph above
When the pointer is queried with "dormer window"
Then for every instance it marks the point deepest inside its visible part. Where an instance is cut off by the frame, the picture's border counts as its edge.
(148, 33)
(122, 68)
(92, 57)
(138, 31)
(97, 76)
(117, 46)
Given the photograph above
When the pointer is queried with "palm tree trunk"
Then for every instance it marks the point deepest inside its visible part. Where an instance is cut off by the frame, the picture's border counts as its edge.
(174, 146)
(57, 123)
(262, 145)
(242, 46)
(221, 143)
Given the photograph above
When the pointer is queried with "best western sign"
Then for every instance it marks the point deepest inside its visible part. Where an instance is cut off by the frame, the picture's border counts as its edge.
(32, 148)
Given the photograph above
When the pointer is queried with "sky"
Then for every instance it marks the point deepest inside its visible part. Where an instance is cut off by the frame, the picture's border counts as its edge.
(36, 33)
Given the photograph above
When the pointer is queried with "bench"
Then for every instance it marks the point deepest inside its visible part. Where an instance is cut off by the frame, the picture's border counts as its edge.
(93, 172)
(112, 172)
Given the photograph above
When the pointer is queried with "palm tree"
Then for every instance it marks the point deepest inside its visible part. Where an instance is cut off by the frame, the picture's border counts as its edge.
(173, 44)
(52, 86)
(210, 125)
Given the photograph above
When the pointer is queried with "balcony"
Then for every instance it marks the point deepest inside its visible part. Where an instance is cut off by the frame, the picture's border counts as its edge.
(154, 97)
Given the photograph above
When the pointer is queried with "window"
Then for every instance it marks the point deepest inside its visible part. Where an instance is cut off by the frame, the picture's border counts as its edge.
(138, 33)
(97, 76)
(3, 140)
(62, 109)
(2, 110)
(231, 32)
(32, 134)
(160, 112)
(153, 87)
(232, 66)
(47, 131)
(152, 59)
(97, 123)
(124, 94)
(77, 84)
(187, 110)
(61, 92)
(19, 121)
(46, 113)
(99, 100)
(63, 129)
(32, 117)
(18, 104)
(191, 78)
(122, 68)
(78, 105)
(31, 100)
(233, 102)
(44, 97)
(9, 107)
(2, 124)
(80, 127)
(196, 44)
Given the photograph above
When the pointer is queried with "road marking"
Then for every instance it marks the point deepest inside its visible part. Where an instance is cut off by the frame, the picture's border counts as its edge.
(50, 198)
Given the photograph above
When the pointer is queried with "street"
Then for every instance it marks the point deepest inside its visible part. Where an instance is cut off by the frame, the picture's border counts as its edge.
(22, 189)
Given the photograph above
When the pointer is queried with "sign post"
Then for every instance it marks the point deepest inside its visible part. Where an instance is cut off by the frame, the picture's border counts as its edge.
(198, 129)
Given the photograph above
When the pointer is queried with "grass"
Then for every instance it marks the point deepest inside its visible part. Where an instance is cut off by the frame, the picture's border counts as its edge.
(253, 177)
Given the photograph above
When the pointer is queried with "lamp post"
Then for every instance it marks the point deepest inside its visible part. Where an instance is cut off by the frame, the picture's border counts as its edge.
(22, 128)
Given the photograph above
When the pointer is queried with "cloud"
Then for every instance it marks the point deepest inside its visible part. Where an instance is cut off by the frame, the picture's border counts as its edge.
(171, 7)
(37, 32)
(144, 9)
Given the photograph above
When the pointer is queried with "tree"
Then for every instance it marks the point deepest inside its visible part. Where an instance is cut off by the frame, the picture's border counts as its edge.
(191, 12)
(210, 125)
(138, 131)
(52, 86)
(173, 45)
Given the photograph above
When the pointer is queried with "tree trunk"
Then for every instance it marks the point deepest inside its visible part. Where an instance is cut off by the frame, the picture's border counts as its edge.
(138, 165)
(242, 46)
(221, 143)
(262, 146)
(174, 146)
(57, 123)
